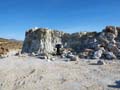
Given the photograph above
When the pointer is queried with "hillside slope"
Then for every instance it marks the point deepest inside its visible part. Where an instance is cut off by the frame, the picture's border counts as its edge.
(7, 45)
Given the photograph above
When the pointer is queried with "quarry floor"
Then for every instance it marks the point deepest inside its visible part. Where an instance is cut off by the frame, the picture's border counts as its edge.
(30, 73)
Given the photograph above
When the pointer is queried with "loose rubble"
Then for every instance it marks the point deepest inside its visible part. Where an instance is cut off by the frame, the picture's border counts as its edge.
(100, 62)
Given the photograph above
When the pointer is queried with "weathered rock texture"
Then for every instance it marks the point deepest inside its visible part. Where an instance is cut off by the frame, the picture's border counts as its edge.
(41, 40)
(105, 44)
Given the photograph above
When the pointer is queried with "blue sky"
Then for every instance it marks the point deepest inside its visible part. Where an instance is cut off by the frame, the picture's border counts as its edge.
(17, 16)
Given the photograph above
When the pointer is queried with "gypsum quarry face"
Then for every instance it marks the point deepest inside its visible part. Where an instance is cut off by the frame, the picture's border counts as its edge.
(92, 45)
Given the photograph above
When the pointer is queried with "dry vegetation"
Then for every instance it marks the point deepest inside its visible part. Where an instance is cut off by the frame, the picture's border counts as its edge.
(7, 45)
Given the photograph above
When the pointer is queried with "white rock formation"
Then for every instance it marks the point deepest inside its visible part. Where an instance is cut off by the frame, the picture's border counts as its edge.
(41, 40)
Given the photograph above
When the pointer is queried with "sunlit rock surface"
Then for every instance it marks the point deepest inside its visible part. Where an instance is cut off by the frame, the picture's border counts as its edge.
(94, 45)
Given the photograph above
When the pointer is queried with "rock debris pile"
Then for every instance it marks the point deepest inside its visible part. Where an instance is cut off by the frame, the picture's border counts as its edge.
(90, 45)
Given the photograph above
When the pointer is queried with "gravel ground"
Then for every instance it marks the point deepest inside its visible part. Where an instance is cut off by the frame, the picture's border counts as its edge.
(30, 73)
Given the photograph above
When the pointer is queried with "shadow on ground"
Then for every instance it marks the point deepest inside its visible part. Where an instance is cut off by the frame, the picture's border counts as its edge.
(115, 86)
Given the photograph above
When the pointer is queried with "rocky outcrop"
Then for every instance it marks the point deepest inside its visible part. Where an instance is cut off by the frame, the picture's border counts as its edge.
(105, 44)
(41, 40)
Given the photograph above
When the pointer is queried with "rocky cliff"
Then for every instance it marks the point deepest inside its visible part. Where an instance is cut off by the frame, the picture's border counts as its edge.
(87, 44)
(41, 40)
